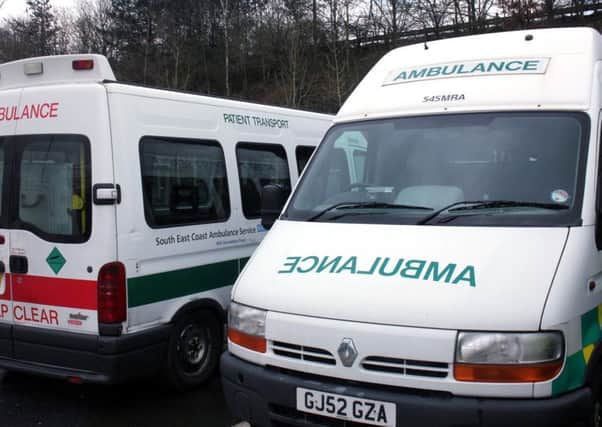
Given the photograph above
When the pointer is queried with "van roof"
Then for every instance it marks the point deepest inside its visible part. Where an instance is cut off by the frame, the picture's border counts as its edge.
(530, 69)
(58, 69)
(61, 69)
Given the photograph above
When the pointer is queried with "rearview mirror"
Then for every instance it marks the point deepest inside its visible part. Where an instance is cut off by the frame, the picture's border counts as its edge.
(273, 198)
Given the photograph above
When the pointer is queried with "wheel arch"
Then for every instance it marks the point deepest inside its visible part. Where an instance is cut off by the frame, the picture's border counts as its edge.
(206, 304)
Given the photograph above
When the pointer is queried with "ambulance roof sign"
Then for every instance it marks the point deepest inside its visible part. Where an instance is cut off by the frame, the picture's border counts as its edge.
(55, 260)
(485, 67)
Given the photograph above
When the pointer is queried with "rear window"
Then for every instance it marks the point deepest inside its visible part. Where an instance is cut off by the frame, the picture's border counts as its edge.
(258, 166)
(303, 153)
(184, 182)
(53, 176)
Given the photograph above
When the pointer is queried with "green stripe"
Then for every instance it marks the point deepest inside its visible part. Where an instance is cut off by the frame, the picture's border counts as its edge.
(172, 284)
(590, 328)
(572, 376)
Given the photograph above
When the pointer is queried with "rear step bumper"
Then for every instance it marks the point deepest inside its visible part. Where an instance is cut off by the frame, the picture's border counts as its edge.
(91, 358)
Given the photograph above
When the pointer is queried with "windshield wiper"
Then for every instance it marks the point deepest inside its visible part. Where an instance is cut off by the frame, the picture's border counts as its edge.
(487, 204)
(364, 205)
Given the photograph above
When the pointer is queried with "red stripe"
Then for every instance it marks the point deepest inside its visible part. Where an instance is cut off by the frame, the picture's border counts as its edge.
(54, 291)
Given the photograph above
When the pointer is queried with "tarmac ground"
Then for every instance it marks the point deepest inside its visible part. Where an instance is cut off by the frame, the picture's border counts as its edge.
(36, 401)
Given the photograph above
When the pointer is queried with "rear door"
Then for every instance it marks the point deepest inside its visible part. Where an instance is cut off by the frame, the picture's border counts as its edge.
(58, 238)
(50, 218)
(9, 100)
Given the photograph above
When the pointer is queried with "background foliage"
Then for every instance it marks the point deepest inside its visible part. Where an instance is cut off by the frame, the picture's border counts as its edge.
(297, 53)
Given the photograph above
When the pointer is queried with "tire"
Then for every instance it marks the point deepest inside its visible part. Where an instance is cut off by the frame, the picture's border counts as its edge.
(193, 350)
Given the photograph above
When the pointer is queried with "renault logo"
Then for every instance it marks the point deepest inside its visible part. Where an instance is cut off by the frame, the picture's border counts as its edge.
(347, 352)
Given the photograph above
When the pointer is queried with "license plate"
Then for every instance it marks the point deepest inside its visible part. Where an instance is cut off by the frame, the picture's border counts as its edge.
(346, 407)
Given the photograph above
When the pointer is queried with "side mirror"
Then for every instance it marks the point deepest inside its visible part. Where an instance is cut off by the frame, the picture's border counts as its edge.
(273, 198)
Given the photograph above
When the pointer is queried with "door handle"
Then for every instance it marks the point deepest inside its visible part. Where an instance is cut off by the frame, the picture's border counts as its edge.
(18, 264)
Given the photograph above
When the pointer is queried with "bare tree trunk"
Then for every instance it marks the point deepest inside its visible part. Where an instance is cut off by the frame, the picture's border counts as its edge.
(176, 68)
(394, 21)
(314, 22)
(226, 47)
(206, 71)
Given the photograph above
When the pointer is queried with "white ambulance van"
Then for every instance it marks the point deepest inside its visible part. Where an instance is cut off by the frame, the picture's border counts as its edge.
(126, 214)
(439, 263)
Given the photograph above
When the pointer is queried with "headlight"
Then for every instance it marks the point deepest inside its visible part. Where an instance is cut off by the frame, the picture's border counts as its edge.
(502, 348)
(508, 357)
(246, 327)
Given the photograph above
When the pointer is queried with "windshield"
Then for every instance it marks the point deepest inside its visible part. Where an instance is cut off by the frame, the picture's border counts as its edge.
(457, 169)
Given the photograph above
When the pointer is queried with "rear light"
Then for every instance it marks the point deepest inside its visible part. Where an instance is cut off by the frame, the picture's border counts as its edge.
(111, 293)
(83, 64)
(251, 342)
(2, 240)
(75, 380)
(506, 373)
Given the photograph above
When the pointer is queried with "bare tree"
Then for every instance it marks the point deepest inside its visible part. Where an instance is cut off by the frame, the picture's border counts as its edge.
(295, 78)
(395, 16)
(225, 17)
(432, 13)
(94, 27)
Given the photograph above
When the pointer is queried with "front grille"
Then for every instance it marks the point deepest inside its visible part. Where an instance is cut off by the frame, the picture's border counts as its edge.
(283, 416)
(300, 352)
(378, 387)
(406, 367)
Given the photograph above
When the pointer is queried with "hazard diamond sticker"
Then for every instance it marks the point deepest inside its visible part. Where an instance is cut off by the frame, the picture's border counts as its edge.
(56, 260)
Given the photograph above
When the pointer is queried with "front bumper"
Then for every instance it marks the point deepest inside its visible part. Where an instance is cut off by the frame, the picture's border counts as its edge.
(90, 358)
(267, 397)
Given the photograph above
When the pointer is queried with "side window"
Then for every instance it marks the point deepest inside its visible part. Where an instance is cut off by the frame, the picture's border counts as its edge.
(346, 163)
(183, 182)
(54, 186)
(260, 165)
(303, 153)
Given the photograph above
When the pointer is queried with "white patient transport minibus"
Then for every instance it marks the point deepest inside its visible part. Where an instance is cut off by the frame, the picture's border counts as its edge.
(439, 263)
(126, 214)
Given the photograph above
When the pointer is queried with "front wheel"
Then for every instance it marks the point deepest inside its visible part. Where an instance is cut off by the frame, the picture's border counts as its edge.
(194, 347)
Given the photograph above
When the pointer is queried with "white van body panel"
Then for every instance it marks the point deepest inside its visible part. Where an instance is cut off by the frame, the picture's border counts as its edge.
(573, 52)
(578, 268)
(354, 290)
(142, 112)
